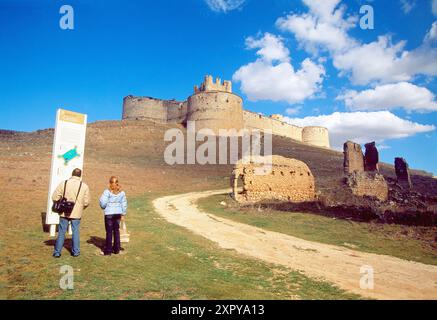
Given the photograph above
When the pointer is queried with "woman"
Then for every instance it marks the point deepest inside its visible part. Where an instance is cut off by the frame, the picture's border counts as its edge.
(114, 202)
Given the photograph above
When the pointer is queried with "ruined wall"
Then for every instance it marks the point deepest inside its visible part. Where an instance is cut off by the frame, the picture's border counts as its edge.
(215, 110)
(316, 136)
(256, 121)
(353, 157)
(402, 173)
(362, 180)
(288, 180)
(370, 184)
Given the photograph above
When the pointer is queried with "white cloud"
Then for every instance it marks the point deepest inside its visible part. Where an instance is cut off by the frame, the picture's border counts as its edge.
(325, 27)
(407, 5)
(224, 5)
(292, 111)
(432, 33)
(390, 96)
(363, 127)
(370, 62)
(273, 77)
(434, 7)
(271, 48)
(322, 28)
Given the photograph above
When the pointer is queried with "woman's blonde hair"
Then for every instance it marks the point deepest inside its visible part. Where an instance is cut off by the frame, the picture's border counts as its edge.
(114, 186)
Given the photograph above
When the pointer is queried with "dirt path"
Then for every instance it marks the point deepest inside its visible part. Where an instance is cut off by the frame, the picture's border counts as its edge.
(393, 278)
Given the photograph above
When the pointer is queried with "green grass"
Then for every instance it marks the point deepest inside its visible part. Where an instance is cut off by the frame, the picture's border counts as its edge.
(410, 243)
(162, 261)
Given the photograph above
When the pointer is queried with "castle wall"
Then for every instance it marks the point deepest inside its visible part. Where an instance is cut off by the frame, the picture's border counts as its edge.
(214, 106)
(316, 136)
(256, 121)
(144, 108)
(158, 110)
(216, 110)
(177, 113)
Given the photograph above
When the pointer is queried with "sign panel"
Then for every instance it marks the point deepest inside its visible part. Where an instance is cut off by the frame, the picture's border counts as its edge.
(68, 154)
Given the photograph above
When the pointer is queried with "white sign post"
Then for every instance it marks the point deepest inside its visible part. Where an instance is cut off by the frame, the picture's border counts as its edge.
(68, 154)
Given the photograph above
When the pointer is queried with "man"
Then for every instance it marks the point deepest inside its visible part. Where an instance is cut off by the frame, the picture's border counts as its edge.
(83, 199)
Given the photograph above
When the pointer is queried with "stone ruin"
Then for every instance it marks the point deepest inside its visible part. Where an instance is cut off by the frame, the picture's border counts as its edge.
(371, 157)
(353, 157)
(402, 173)
(362, 176)
(286, 180)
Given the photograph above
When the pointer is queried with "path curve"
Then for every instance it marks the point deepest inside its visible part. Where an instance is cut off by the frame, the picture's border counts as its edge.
(394, 278)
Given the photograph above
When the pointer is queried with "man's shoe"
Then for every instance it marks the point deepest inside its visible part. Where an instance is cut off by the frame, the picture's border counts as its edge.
(56, 255)
(75, 255)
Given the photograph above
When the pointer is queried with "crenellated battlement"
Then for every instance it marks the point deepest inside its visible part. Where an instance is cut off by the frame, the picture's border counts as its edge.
(209, 85)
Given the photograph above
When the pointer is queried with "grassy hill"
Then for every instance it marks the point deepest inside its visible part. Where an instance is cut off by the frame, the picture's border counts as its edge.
(162, 261)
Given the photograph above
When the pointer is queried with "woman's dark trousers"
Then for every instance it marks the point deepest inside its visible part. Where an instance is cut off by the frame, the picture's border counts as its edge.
(112, 226)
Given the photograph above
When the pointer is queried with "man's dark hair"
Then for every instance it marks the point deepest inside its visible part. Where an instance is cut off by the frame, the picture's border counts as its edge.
(77, 173)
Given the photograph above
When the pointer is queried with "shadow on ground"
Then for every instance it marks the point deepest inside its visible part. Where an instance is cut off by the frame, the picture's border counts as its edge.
(67, 244)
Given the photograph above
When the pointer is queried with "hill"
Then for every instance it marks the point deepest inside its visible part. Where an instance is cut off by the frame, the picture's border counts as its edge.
(133, 150)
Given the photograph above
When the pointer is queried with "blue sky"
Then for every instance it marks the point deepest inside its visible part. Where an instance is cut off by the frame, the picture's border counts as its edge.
(306, 60)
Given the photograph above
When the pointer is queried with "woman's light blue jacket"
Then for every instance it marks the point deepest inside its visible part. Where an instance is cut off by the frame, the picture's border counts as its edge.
(113, 203)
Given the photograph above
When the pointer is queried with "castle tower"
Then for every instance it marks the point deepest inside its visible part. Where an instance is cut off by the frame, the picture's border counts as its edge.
(214, 106)
(316, 136)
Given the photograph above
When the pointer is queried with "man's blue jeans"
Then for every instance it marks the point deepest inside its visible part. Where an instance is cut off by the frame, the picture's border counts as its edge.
(62, 229)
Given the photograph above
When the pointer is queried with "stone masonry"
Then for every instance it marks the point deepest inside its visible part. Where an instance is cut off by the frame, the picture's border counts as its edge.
(362, 176)
(370, 184)
(214, 106)
(402, 173)
(371, 157)
(288, 180)
(353, 157)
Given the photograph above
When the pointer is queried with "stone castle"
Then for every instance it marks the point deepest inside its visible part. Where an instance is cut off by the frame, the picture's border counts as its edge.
(214, 106)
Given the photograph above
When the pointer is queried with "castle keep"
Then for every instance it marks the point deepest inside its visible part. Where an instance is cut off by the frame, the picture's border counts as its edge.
(214, 106)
